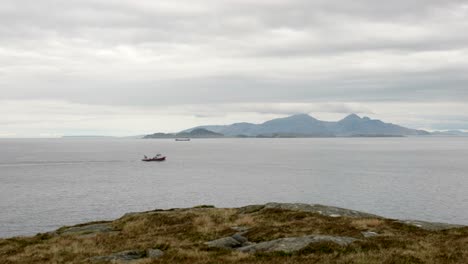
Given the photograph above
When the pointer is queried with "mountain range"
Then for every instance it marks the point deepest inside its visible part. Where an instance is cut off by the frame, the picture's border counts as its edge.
(455, 133)
(302, 125)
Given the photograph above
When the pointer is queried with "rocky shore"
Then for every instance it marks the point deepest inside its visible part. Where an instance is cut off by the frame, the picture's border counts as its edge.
(268, 233)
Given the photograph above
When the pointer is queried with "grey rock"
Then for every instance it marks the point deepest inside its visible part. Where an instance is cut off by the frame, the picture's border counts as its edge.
(251, 208)
(130, 214)
(91, 235)
(368, 234)
(431, 226)
(154, 253)
(241, 229)
(293, 244)
(338, 212)
(234, 241)
(155, 211)
(124, 256)
(87, 229)
(225, 242)
(240, 238)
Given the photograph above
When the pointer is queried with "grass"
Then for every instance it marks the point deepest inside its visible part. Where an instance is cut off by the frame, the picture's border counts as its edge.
(182, 232)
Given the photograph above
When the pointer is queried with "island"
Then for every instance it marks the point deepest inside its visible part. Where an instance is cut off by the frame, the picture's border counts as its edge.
(195, 133)
(299, 126)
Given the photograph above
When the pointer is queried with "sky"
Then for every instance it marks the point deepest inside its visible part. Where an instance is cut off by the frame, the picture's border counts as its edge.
(125, 67)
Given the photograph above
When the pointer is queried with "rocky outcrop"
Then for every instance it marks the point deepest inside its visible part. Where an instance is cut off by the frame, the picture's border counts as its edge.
(312, 208)
(339, 212)
(368, 234)
(248, 209)
(293, 244)
(86, 229)
(234, 241)
(289, 244)
(432, 226)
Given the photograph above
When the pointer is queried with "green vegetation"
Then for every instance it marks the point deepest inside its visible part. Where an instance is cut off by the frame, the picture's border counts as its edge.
(181, 234)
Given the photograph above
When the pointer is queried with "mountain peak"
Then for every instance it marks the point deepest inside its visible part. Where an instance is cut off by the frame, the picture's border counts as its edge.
(292, 118)
(351, 117)
(300, 116)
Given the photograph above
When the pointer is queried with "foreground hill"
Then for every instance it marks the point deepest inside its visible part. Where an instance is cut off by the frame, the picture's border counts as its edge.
(270, 233)
(303, 125)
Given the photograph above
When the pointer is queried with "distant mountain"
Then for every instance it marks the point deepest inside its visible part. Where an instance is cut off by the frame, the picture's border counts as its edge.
(457, 133)
(195, 133)
(300, 125)
(303, 125)
(160, 135)
(199, 133)
(353, 125)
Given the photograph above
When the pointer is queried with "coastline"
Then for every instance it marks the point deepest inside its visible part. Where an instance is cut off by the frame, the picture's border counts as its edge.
(269, 233)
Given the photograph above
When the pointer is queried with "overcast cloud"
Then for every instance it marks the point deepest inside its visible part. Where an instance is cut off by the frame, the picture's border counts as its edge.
(125, 67)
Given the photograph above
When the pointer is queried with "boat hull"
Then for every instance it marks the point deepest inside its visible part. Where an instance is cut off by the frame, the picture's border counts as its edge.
(154, 159)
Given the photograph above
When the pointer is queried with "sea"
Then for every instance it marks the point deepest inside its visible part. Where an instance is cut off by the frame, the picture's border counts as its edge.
(49, 183)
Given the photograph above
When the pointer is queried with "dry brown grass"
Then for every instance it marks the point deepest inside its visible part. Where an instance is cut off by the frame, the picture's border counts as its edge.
(366, 223)
(244, 220)
(181, 233)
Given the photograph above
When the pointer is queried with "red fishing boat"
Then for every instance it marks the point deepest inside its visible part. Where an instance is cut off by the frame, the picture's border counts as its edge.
(158, 157)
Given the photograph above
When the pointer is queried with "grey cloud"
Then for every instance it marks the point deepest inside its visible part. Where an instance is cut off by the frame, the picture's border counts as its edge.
(434, 85)
(187, 21)
(177, 52)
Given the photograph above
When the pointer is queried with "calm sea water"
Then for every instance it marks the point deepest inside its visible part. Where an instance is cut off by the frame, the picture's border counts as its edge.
(45, 184)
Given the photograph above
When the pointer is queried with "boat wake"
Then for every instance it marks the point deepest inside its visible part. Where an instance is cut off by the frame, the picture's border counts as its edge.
(58, 163)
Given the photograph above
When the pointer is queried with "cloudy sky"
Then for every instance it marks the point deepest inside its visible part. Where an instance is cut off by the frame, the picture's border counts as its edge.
(125, 67)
